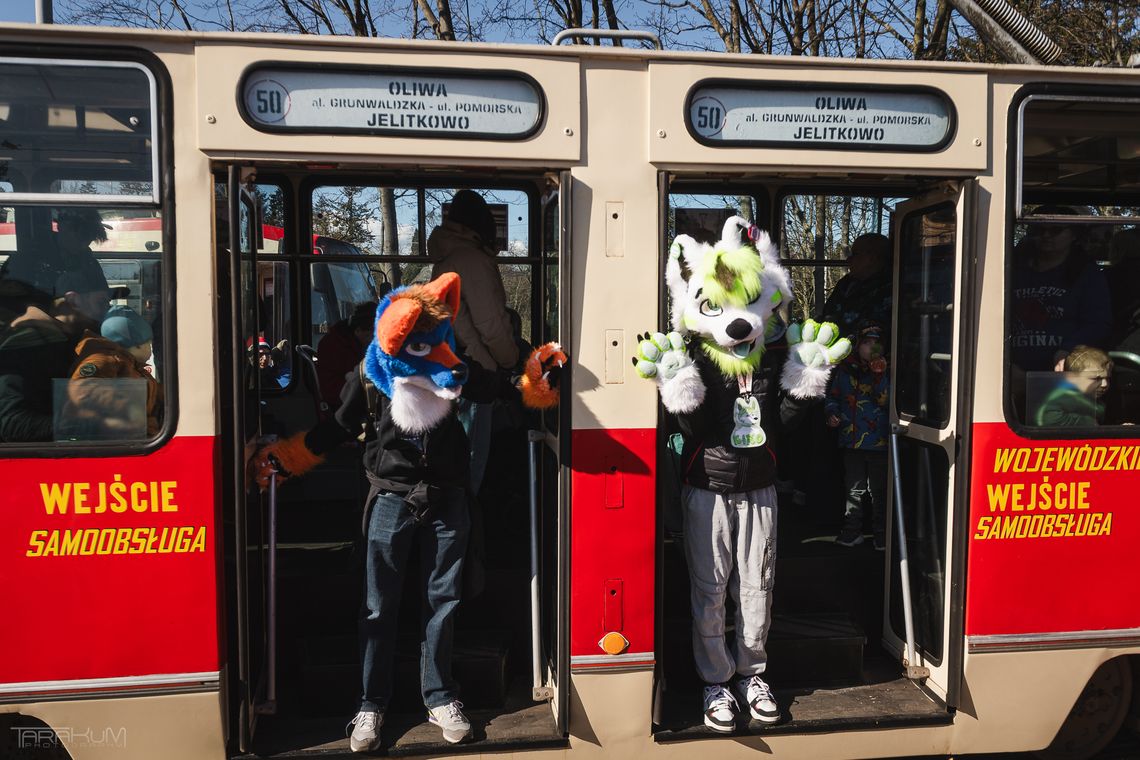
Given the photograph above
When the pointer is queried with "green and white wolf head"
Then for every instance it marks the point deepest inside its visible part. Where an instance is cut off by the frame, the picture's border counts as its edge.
(728, 293)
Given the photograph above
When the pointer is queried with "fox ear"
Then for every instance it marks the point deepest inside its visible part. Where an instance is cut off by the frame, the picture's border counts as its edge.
(445, 288)
(396, 323)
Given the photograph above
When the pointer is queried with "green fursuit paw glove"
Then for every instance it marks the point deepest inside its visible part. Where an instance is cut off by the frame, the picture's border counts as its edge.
(813, 350)
(663, 357)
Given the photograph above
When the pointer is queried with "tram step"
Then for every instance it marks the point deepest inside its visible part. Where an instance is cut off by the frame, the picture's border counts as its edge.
(803, 648)
(330, 672)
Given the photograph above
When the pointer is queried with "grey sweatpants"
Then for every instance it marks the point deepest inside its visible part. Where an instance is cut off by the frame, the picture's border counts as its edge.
(730, 545)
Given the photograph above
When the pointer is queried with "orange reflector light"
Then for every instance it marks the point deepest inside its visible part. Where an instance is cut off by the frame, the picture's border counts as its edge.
(613, 643)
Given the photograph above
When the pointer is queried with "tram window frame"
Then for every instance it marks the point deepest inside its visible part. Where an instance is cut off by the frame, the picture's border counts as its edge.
(821, 265)
(90, 59)
(161, 201)
(528, 186)
(1019, 216)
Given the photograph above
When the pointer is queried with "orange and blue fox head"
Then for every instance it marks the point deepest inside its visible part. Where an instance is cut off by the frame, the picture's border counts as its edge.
(412, 358)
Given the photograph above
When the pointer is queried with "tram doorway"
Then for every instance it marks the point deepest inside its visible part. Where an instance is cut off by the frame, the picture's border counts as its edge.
(312, 250)
(837, 647)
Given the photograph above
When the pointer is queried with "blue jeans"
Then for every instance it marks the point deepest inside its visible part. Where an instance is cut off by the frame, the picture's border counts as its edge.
(442, 543)
(477, 421)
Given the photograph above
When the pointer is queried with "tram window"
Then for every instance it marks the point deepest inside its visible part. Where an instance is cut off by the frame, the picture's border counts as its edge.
(337, 288)
(550, 248)
(275, 324)
(925, 327)
(273, 212)
(509, 208)
(701, 216)
(379, 221)
(81, 351)
(1081, 152)
(95, 115)
(517, 282)
(816, 233)
(1074, 265)
(390, 228)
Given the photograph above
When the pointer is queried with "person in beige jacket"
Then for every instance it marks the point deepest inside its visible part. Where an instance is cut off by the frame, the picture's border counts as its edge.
(464, 244)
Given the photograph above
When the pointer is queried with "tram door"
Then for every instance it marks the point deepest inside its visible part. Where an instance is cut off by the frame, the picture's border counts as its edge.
(251, 660)
(927, 339)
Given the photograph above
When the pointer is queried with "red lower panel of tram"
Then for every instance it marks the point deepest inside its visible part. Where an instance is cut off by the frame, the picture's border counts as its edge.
(612, 540)
(1054, 534)
(109, 566)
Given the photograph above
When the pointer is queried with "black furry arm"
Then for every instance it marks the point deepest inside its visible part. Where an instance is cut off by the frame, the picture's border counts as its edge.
(484, 386)
(348, 421)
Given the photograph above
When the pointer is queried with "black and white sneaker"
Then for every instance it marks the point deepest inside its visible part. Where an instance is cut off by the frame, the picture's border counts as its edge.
(756, 694)
(720, 709)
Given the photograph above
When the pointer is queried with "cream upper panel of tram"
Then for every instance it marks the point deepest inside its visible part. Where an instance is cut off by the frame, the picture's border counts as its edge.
(221, 129)
(968, 150)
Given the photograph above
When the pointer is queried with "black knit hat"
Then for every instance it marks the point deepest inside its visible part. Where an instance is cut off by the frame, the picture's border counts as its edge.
(469, 209)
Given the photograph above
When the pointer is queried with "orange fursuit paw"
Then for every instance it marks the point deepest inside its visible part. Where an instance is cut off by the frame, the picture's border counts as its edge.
(539, 383)
(288, 458)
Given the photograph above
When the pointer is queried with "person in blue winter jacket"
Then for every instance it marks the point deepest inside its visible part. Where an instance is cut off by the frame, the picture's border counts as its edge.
(856, 406)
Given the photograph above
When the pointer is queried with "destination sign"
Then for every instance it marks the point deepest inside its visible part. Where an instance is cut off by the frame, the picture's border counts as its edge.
(409, 102)
(814, 117)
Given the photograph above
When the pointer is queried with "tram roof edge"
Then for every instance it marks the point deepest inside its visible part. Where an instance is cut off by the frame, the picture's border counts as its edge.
(28, 32)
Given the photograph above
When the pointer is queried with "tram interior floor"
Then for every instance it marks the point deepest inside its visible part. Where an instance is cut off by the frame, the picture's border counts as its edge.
(518, 724)
(826, 666)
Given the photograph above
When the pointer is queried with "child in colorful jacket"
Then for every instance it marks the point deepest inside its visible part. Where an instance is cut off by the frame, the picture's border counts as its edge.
(857, 405)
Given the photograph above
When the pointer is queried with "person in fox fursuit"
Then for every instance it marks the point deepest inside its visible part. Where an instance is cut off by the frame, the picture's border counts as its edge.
(403, 395)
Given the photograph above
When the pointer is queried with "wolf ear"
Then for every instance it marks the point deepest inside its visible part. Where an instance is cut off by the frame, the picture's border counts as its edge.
(396, 323)
(446, 289)
(730, 235)
(678, 269)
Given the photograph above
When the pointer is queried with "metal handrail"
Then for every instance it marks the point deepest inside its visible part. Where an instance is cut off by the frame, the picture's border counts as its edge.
(913, 671)
(539, 692)
(269, 706)
(607, 34)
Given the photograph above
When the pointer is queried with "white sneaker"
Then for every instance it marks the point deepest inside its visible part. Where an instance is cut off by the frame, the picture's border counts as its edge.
(451, 719)
(756, 694)
(365, 735)
(720, 709)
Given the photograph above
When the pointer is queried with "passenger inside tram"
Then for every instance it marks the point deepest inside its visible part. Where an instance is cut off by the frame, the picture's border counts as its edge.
(39, 348)
(465, 243)
(1060, 296)
(1076, 399)
(341, 349)
(68, 250)
(111, 393)
(54, 296)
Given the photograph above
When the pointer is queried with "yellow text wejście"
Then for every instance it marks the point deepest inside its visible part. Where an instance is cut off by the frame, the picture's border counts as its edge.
(118, 497)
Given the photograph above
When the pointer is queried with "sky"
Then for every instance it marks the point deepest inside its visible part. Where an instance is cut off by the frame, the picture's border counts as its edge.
(17, 10)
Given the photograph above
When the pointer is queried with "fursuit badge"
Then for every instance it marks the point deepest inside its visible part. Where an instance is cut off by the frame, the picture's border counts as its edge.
(747, 433)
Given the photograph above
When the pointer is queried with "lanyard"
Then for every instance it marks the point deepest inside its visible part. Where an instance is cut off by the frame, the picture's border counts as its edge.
(744, 382)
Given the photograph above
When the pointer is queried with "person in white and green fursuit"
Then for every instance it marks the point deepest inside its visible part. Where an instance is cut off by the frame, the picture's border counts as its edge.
(714, 375)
